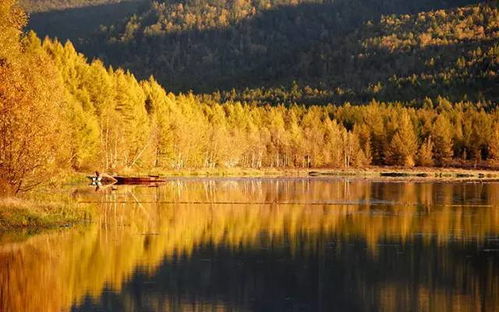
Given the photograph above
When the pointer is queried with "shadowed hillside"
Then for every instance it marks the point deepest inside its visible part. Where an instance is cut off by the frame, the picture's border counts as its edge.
(307, 52)
(189, 45)
(78, 23)
(51, 5)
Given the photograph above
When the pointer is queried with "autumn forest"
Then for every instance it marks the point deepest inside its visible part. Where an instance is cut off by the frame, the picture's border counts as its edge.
(253, 84)
(249, 155)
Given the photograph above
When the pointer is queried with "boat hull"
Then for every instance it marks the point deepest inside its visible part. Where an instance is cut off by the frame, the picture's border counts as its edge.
(125, 180)
(137, 180)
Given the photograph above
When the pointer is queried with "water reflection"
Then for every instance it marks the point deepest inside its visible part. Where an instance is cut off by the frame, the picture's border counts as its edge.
(266, 245)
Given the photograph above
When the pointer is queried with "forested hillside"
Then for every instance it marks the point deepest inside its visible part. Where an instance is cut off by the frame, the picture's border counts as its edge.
(77, 20)
(451, 53)
(57, 110)
(348, 50)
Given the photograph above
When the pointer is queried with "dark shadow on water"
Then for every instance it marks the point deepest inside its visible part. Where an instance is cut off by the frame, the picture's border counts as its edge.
(336, 275)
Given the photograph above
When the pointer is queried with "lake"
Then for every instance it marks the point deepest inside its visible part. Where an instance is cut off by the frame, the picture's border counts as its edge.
(265, 244)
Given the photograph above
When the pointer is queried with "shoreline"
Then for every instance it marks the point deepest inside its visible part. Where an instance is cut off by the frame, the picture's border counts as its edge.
(21, 214)
(371, 172)
(35, 214)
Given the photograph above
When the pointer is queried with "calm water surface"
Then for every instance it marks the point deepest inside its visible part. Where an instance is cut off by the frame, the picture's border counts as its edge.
(265, 245)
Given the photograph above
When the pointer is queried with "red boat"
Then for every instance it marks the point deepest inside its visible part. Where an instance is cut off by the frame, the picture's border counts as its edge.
(138, 180)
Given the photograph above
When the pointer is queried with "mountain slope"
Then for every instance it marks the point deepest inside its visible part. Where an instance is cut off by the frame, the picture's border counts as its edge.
(61, 111)
(347, 49)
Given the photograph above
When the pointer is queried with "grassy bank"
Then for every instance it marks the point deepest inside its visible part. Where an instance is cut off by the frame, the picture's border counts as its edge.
(23, 213)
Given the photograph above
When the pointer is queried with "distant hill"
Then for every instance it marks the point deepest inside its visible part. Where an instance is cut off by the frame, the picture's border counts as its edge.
(351, 50)
(451, 53)
(306, 51)
(77, 20)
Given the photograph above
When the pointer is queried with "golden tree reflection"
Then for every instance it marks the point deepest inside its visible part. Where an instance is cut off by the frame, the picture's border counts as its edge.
(139, 227)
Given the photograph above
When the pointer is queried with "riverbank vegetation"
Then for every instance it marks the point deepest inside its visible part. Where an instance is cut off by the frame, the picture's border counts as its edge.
(25, 213)
(58, 110)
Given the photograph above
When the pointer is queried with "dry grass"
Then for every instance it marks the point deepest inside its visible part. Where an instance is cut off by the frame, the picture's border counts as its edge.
(18, 213)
